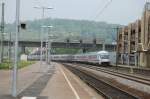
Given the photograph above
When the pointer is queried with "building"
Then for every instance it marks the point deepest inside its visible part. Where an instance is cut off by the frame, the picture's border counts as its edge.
(134, 42)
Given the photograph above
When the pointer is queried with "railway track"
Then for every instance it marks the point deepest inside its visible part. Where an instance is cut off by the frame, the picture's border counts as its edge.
(138, 79)
(107, 90)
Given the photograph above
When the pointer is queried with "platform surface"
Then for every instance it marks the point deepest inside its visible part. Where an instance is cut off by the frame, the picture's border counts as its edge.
(46, 82)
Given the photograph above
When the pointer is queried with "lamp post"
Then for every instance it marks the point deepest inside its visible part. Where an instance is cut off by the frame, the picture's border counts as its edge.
(14, 73)
(50, 37)
(2, 32)
(43, 10)
(47, 43)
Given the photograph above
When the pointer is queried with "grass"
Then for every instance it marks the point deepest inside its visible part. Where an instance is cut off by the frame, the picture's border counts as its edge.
(6, 65)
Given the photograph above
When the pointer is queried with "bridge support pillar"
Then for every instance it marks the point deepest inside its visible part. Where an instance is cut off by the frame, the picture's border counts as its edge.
(84, 50)
(23, 49)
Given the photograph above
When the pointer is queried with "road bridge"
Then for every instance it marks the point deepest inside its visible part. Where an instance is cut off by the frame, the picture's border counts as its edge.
(63, 44)
(58, 44)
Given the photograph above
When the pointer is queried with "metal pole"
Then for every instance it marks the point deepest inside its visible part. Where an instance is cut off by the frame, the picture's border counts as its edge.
(49, 50)
(47, 47)
(2, 33)
(9, 50)
(9, 46)
(46, 42)
(103, 45)
(14, 82)
(41, 52)
(46, 52)
(117, 49)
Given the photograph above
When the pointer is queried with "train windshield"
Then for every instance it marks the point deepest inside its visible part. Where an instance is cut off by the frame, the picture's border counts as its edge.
(104, 56)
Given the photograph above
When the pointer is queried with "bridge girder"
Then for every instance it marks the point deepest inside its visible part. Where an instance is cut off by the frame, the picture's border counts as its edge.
(61, 45)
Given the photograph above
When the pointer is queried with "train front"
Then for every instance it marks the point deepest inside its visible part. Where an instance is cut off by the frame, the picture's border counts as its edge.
(104, 58)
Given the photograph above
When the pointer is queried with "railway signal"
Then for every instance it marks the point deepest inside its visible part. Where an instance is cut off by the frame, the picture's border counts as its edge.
(23, 26)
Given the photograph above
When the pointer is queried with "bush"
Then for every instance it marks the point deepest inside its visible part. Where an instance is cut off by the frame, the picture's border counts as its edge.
(21, 64)
(4, 65)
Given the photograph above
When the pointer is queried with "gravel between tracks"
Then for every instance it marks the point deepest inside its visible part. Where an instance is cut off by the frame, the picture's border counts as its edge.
(110, 92)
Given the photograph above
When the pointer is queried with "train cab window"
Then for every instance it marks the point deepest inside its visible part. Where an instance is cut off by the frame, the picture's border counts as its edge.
(104, 56)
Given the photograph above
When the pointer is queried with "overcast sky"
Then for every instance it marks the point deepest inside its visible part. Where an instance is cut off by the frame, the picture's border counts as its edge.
(118, 11)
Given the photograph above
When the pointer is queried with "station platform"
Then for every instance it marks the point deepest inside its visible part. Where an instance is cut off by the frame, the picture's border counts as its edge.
(134, 67)
(46, 82)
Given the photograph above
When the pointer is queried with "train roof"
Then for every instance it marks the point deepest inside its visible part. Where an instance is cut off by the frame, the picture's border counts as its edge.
(99, 52)
(89, 53)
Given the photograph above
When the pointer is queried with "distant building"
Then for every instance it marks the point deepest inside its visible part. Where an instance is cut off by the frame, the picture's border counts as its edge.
(134, 41)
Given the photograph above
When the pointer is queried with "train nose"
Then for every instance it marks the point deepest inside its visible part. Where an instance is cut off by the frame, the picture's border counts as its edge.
(105, 60)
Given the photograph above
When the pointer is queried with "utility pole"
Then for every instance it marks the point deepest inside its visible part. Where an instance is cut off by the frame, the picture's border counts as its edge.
(15, 71)
(2, 33)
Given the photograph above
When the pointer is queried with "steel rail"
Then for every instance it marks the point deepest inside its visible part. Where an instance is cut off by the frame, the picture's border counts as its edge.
(119, 74)
(107, 90)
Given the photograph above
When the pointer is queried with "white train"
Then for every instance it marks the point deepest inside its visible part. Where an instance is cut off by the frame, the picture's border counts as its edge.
(101, 57)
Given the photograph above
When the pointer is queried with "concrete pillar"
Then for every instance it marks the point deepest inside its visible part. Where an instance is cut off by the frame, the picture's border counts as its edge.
(148, 60)
(145, 62)
(129, 42)
(144, 57)
(23, 50)
(103, 46)
(84, 50)
(136, 59)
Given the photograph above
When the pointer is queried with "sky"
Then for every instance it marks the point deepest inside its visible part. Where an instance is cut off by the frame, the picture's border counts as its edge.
(117, 12)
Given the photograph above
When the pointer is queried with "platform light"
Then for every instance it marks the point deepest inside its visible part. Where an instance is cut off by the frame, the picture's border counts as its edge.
(43, 10)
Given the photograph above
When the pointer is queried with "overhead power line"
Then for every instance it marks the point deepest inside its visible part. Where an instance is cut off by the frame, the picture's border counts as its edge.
(102, 10)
